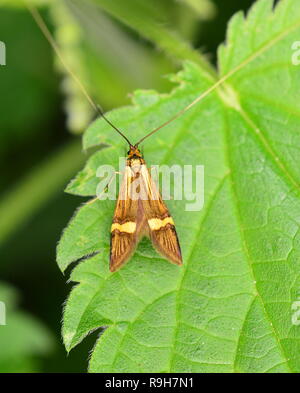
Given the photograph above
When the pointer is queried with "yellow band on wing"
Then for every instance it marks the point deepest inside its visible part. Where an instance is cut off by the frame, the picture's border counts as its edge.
(157, 223)
(128, 227)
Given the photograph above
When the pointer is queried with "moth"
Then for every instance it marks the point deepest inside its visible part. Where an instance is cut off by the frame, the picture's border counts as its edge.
(140, 211)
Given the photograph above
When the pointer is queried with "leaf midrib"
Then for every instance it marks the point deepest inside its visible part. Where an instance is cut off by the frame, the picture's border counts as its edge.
(180, 283)
(246, 249)
(279, 164)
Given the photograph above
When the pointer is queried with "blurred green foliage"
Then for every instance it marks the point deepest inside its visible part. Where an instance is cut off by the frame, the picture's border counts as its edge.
(23, 107)
(113, 50)
(23, 338)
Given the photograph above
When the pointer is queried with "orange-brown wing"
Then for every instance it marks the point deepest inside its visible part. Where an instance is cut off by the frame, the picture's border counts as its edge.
(127, 224)
(161, 226)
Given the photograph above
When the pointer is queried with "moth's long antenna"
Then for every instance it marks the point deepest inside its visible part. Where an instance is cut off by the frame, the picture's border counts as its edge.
(185, 109)
(219, 82)
(248, 60)
(100, 111)
(42, 25)
(163, 125)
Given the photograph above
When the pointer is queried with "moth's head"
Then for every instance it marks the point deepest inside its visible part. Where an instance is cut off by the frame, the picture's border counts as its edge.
(134, 152)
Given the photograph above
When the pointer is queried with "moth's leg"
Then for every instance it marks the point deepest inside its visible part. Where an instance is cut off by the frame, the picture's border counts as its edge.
(105, 188)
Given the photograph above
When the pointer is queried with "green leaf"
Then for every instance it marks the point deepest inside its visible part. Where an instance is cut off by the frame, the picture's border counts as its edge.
(22, 339)
(229, 308)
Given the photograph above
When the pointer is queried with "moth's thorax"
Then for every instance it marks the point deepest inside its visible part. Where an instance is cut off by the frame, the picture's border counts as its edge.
(134, 157)
(141, 211)
(134, 153)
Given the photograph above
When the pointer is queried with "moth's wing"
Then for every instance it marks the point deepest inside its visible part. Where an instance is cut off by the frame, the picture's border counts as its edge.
(127, 224)
(161, 226)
